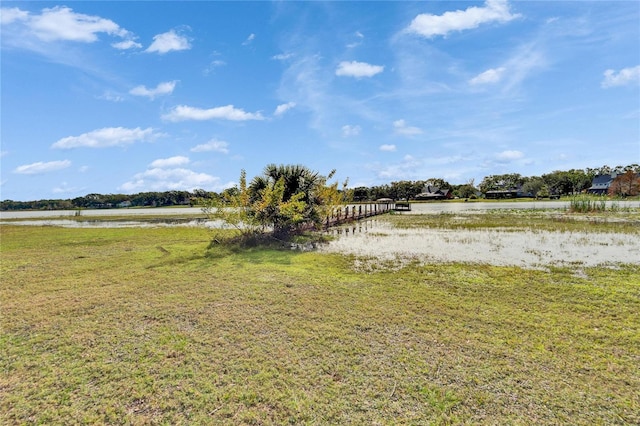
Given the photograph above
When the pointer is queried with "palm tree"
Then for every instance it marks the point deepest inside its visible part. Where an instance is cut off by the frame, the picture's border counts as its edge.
(297, 178)
(287, 196)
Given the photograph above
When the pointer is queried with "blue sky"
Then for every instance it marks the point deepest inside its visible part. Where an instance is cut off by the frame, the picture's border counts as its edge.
(126, 97)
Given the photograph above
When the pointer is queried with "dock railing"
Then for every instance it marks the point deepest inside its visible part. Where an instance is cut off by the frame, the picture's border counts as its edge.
(354, 212)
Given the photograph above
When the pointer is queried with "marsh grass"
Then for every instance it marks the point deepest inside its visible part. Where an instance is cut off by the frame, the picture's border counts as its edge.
(625, 221)
(140, 326)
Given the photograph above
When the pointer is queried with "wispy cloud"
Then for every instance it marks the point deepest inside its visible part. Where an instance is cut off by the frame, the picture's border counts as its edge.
(213, 145)
(168, 42)
(490, 76)
(401, 128)
(282, 108)
(61, 23)
(626, 76)
(282, 56)
(428, 25)
(178, 160)
(349, 130)
(108, 137)
(525, 60)
(358, 69)
(217, 63)
(165, 88)
(508, 156)
(110, 96)
(388, 148)
(359, 38)
(42, 167)
(249, 39)
(228, 112)
(127, 44)
(405, 169)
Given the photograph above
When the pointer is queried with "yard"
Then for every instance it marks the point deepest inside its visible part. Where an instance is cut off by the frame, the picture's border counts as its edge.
(146, 325)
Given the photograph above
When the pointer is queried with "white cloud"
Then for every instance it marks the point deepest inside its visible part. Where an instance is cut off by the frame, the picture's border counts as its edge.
(429, 25)
(161, 179)
(282, 56)
(10, 15)
(493, 75)
(282, 108)
(62, 23)
(349, 130)
(111, 96)
(359, 36)
(162, 163)
(126, 44)
(401, 128)
(107, 137)
(167, 42)
(165, 88)
(212, 145)
(213, 65)
(508, 156)
(249, 39)
(41, 167)
(358, 69)
(626, 76)
(228, 112)
(388, 148)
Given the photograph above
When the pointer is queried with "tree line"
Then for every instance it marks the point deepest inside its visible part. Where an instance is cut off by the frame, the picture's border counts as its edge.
(555, 183)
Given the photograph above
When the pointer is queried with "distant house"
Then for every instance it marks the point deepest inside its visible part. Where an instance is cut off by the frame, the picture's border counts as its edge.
(124, 204)
(601, 183)
(432, 193)
(508, 193)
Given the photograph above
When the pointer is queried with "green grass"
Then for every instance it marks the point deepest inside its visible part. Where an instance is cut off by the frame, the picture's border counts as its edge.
(141, 326)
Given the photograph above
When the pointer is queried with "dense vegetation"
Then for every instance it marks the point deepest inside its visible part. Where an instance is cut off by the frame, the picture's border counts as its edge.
(557, 182)
(283, 201)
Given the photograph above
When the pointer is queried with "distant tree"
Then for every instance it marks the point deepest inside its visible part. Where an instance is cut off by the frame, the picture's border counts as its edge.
(568, 182)
(533, 185)
(437, 183)
(466, 190)
(543, 192)
(633, 167)
(627, 184)
(360, 193)
(501, 182)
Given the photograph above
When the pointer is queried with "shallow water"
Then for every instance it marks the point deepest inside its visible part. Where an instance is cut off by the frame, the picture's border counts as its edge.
(380, 242)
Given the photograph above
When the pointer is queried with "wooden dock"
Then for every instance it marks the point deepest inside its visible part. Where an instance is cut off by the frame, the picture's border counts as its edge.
(354, 212)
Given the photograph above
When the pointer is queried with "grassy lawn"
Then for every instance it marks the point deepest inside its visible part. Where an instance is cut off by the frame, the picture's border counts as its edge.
(142, 326)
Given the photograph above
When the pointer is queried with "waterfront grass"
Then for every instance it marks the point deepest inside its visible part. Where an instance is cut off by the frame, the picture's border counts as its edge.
(146, 326)
(620, 221)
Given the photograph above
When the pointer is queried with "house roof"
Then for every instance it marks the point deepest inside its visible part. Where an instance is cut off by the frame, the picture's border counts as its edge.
(601, 180)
